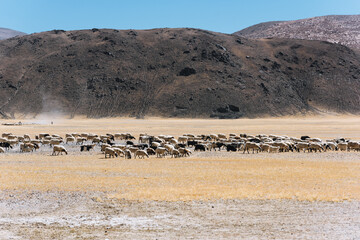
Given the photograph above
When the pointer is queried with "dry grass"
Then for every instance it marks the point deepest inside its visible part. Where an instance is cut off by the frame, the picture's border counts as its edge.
(325, 177)
(254, 177)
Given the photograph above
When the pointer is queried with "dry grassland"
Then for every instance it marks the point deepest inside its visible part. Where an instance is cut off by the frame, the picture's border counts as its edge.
(331, 176)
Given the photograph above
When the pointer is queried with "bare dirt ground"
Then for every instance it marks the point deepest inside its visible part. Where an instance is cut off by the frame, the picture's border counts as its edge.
(206, 196)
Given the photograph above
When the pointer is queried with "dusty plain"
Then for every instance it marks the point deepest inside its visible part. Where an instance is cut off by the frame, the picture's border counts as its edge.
(211, 195)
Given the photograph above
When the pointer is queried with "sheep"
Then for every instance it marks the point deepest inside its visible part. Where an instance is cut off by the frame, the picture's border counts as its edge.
(55, 142)
(11, 137)
(111, 152)
(184, 152)
(141, 154)
(127, 153)
(86, 147)
(59, 149)
(45, 142)
(221, 135)
(91, 136)
(42, 135)
(332, 146)
(104, 146)
(253, 146)
(175, 153)
(283, 147)
(5, 135)
(169, 148)
(80, 140)
(353, 146)
(265, 147)
(273, 149)
(70, 139)
(133, 149)
(160, 152)
(173, 141)
(150, 151)
(96, 140)
(182, 139)
(316, 146)
(302, 146)
(342, 146)
(28, 147)
(143, 138)
(119, 152)
(200, 147)
(155, 145)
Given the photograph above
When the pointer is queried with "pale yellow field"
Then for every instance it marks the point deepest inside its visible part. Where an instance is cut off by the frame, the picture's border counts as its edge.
(330, 176)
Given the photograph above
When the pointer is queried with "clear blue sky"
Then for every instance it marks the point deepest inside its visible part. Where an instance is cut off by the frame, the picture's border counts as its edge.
(225, 16)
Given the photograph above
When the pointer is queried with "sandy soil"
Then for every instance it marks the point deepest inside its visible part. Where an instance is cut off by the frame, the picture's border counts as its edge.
(207, 196)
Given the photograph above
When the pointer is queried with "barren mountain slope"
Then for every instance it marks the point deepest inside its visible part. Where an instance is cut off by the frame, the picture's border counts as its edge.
(174, 72)
(343, 29)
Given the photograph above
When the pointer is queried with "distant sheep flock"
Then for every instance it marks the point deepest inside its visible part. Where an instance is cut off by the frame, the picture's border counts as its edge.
(126, 145)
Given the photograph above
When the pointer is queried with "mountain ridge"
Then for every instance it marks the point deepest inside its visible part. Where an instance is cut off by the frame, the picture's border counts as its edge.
(174, 73)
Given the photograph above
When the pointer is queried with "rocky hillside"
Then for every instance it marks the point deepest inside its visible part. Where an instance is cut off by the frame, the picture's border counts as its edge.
(343, 29)
(174, 73)
(6, 33)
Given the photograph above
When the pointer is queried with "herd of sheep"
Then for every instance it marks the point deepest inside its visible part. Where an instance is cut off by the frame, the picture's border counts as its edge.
(126, 145)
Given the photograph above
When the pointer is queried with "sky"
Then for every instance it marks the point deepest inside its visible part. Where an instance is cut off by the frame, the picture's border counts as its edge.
(226, 16)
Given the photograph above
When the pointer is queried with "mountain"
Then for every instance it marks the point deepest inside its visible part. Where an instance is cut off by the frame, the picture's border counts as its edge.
(6, 33)
(343, 29)
(174, 73)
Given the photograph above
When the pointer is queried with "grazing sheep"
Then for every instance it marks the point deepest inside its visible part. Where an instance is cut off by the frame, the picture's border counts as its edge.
(182, 139)
(59, 149)
(111, 152)
(55, 142)
(96, 140)
(28, 147)
(265, 147)
(104, 146)
(200, 147)
(43, 135)
(316, 147)
(273, 149)
(155, 145)
(70, 139)
(283, 147)
(141, 154)
(127, 153)
(11, 137)
(302, 146)
(87, 147)
(119, 152)
(169, 148)
(5, 145)
(26, 136)
(184, 152)
(80, 140)
(251, 146)
(150, 151)
(133, 149)
(353, 146)
(332, 146)
(5, 135)
(160, 152)
(342, 146)
(175, 153)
